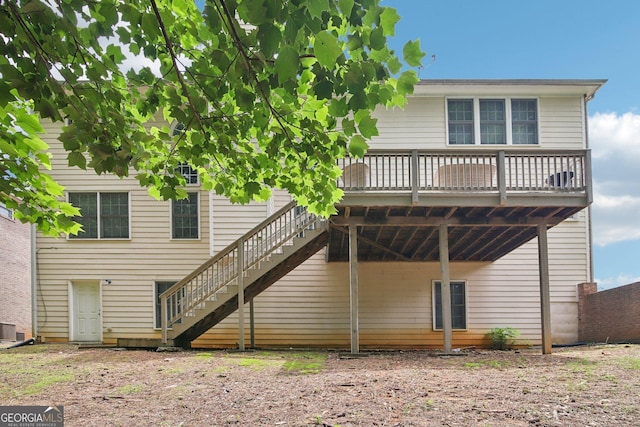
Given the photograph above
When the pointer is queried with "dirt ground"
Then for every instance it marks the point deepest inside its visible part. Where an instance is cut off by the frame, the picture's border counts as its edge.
(578, 386)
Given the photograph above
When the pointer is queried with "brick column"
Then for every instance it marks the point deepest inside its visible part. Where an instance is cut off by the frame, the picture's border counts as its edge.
(584, 289)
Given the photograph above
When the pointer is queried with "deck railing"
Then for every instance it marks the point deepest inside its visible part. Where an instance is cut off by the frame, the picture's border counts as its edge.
(474, 170)
(242, 256)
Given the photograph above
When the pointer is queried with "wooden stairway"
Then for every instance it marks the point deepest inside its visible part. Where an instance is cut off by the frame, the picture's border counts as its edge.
(254, 262)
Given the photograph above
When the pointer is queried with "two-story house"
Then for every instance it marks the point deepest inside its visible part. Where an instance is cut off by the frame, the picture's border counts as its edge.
(467, 213)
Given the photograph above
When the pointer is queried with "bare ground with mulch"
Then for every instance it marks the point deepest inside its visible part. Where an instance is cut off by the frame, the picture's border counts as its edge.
(578, 386)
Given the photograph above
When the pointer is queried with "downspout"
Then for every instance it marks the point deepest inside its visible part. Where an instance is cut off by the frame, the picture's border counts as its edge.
(34, 284)
(587, 98)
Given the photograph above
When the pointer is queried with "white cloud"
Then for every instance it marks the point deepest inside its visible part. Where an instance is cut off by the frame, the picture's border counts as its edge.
(612, 135)
(613, 282)
(615, 141)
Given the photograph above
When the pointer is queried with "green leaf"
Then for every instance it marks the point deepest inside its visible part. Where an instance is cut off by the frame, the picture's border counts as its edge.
(287, 63)
(316, 7)
(412, 53)
(367, 126)
(358, 146)
(115, 53)
(5, 93)
(377, 40)
(388, 20)
(270, 38)
(326, 49)
(252, 11)
(406, 81)
(346, 6)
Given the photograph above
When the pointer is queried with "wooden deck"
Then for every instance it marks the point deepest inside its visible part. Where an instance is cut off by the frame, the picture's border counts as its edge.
(491, 200)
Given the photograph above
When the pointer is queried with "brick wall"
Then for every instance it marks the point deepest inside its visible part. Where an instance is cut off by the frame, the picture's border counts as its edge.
(609, 316)
(15, 274)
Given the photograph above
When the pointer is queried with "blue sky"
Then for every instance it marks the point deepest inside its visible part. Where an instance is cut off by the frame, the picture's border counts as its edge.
(570, 39)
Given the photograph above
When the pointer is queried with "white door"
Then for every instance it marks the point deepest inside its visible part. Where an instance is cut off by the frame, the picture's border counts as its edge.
(87, 322)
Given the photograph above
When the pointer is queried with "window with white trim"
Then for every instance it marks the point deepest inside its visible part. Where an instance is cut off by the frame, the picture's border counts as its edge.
(458, 304)
(5, 211)
(190, 174)
(185, 221)
(492, 121)
(103, 215)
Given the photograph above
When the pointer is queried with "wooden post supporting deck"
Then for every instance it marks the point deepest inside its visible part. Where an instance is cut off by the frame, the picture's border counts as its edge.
(240, 273)
(545, 299)
(353, 287)
(252, 324)
(445, 288)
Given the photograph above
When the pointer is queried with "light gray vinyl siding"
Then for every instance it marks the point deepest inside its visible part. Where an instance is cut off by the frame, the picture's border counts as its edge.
(132, 265)
(422, 125)
(310, 306)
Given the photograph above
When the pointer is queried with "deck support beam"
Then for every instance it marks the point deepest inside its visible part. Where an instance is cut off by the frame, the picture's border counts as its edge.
(353, 288)
(445, 287)
(545, 299)
(252, 324)
(240, 273)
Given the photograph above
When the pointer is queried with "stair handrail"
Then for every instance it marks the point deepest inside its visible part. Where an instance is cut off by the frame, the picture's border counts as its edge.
(275, 232)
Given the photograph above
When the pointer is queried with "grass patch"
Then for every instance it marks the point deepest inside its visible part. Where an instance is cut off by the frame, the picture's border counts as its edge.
(629, 362)
(25, 374)
(582, 366)
(294, 362)
(203, 356)
(45, 381)
(305, 363)
(128, 389)
(258, 364)
(472, 365)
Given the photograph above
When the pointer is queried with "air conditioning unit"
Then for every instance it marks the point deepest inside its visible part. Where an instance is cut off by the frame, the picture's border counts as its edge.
(7, 331)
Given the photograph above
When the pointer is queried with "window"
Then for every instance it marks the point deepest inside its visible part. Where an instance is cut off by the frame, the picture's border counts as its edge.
(5, 211)
(184, 218)
(188, 172)
(160, 287)
(524, 121)
(492, 121)
(458, 305)
(460, 114)
(104, 215)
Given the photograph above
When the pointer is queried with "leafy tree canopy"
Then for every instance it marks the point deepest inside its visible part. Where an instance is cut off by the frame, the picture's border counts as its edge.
(270, 93)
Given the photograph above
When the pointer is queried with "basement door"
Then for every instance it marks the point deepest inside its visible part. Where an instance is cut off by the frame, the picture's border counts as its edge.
(86, 316)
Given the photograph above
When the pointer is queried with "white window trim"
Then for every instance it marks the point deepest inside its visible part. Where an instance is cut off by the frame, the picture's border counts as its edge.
(192, 239)
(433, 304)
(476, 121)
(80, 239)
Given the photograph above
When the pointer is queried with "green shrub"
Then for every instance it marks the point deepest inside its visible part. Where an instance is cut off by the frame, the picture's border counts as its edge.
(502, 338)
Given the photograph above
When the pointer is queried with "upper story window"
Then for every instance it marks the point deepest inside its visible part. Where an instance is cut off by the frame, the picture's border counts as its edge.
(184, 218)
(189, 173)
(492, 121)
(5, 211)
(104, 215)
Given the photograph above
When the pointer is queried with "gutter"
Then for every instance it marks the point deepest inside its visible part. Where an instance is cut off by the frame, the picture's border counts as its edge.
(34, 284)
